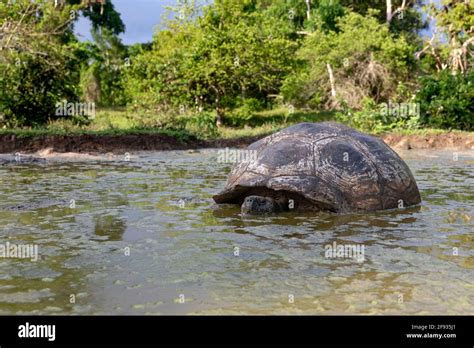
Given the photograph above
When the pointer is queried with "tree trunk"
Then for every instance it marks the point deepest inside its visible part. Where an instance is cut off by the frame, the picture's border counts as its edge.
(308, 11)
(331, 80)
(219, 113)
(389, 11)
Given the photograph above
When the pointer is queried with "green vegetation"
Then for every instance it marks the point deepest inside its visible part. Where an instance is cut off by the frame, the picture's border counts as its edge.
(122, 122)
(366, 60)
(35, 62)
(448, 100)
(237, 68)
(118, 121)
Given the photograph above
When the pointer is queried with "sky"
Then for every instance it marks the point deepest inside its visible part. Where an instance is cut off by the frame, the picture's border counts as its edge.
(140, 18)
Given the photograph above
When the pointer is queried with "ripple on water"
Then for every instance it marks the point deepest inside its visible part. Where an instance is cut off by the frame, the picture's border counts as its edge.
(144, 237)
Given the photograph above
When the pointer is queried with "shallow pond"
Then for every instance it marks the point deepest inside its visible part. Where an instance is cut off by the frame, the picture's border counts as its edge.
(141, 235)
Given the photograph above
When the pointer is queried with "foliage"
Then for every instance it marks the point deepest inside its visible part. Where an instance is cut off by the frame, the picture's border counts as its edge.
(102, 15)
(447, 100)
(241, 115)
(377, 118)
(294, 15)
(405, 20)
(240, 63)
(232, 50)
(152, 82)
(203, 123)
(35, 64)
(455, 22)
(366, 60)
(326, 15)
(102, 69)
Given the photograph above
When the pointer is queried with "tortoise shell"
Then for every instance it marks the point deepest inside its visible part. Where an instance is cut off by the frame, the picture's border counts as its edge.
(332, 166)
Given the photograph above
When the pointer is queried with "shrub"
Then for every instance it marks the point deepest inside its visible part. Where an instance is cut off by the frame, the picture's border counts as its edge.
(36, 66)
(30, 90)
(210, 62)
(447, 101)
(366, 59)
(203, 124)
(378, 118)
(241, 115)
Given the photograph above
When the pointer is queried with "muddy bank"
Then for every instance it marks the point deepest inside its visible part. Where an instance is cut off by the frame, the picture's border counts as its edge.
(160, 142)
(111, 143)
(449, 140)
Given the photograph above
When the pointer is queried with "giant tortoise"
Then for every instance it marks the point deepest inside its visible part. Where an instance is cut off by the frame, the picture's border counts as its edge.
(320, 166)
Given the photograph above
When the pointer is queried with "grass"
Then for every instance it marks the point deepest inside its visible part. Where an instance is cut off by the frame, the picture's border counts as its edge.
(37, 132)
(270, 121)
(106, 123)
(121, 122)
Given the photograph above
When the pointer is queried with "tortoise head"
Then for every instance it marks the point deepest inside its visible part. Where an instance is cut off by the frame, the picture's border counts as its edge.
(257, 205)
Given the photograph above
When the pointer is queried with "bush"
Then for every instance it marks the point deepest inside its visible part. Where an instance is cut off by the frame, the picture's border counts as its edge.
(379, 118)
(209, 63)
(366, 59)
(30, 90)
(240, 116)
(447, 101)
(203, 124)
(36, 65)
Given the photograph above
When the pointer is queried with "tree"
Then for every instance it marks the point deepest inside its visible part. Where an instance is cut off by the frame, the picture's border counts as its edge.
(402, 15)
(301, 16)
(101, 13)
(361, 59)
(231, 51)
(454, 19)
(102, 70)
(34, 62)
(446, 100)
(41, 58)
(243, 53)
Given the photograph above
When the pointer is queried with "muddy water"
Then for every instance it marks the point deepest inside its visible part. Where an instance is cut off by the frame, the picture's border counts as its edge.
(143, 237)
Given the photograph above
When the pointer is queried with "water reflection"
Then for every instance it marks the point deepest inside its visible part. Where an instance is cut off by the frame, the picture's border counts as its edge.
(110, 227)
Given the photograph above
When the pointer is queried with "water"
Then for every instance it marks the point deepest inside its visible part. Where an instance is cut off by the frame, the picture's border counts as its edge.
(145, 238)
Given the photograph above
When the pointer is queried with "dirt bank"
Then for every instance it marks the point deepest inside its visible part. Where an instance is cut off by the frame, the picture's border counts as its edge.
(160, 142)
(110, 143)
(449, 140)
